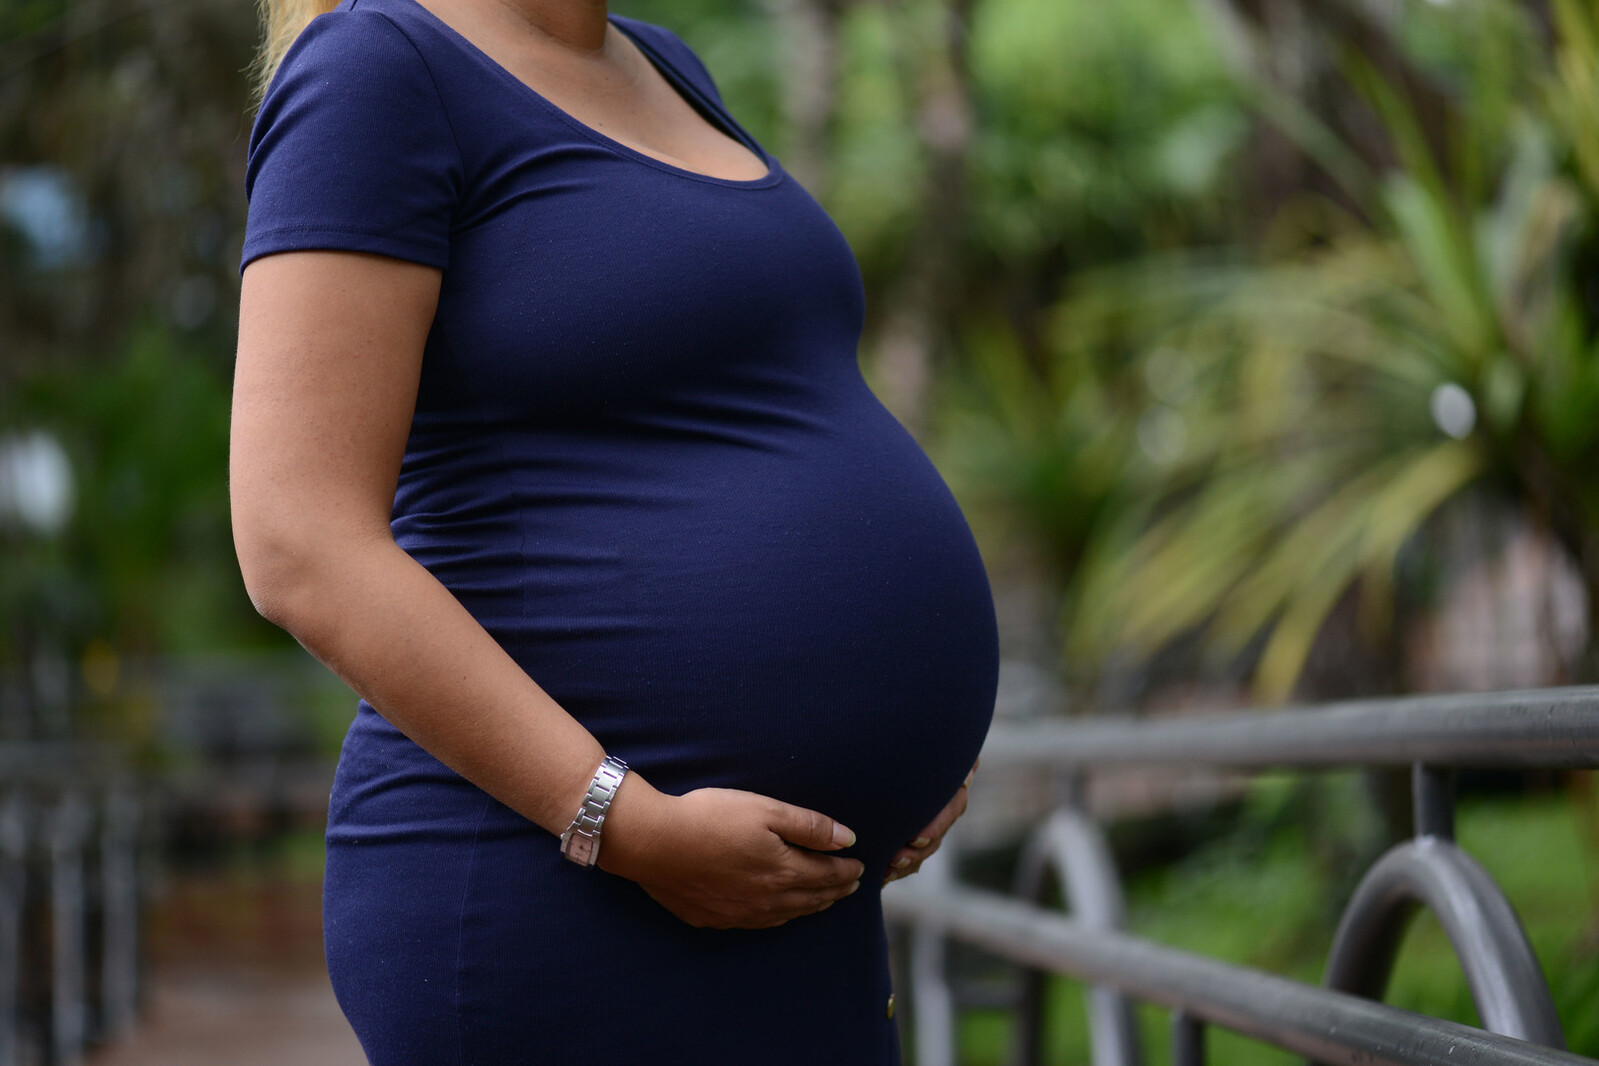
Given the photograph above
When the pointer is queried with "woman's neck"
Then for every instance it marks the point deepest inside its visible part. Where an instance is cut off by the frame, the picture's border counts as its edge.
(577, 24)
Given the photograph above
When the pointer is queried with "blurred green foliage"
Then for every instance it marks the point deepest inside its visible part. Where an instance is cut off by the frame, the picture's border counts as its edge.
(1271, 425)
(146, 431)
(116, 343)
(1204, 340)
(1103, 129)
(21, 17)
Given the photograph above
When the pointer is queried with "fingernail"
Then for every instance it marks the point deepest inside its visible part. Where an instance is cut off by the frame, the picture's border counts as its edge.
(902, 862)
(854, 886)
(969, 775)
(843, 837)
(921, 842)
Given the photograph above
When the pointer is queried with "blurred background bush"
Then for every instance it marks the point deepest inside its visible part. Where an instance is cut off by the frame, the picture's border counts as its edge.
(1243, 329)
(1259, 338)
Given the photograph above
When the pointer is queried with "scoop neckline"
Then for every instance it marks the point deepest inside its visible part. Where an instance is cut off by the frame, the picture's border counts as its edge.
(691, 94)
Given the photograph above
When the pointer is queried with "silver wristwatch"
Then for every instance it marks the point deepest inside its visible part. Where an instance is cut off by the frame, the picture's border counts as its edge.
(581, 841)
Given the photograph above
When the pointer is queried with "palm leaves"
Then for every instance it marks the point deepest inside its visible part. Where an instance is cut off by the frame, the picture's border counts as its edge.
(1341, 395)
(1313, 457)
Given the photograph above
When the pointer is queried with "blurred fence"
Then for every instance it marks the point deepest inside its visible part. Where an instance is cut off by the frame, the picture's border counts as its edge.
(1339, 1023)
(235, 759)
(69, 902)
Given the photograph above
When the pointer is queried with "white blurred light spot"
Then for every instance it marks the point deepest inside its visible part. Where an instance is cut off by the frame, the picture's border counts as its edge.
(35, 482)
(1453, 410)
(42, 204)
(1162, 434)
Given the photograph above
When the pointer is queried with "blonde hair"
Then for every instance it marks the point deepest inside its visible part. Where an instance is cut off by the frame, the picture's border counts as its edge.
(282, 21)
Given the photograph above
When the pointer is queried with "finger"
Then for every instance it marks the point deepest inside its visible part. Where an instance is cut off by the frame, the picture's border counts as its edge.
(820, 901)
(935, 830)
(927, 841)
(798, 903)
(808, 829)
(909, 859)
(810, 871)
(895, 875)
(904, 859)
(810, 902)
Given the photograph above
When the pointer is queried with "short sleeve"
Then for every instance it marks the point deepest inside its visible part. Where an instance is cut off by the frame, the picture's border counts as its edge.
(352, 149)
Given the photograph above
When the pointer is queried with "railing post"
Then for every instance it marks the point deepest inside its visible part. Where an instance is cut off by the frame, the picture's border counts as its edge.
(1187, 1039)
(13, 888)
(1433, 792)
(1070, 845)
(933, 1004)
(119, 890)
(69, 830)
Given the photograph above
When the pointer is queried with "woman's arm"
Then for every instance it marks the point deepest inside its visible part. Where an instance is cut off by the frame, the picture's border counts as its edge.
(330, 354)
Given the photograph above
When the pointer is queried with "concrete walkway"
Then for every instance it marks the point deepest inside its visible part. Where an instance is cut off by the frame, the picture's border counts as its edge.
(235, 976)
(201, 1018)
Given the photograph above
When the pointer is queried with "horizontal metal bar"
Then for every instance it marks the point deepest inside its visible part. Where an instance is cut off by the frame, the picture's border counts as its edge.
(1557, 727)
(1326, 1026)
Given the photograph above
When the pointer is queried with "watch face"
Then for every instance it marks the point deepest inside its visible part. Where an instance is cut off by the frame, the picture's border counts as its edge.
(581, 848)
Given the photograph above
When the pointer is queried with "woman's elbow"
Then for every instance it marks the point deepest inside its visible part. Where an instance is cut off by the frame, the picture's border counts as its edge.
(289, 556)
(301, 568)
(277, 573)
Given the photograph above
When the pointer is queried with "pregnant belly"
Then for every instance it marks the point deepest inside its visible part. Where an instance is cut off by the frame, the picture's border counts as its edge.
(813, 626)
(862, 691)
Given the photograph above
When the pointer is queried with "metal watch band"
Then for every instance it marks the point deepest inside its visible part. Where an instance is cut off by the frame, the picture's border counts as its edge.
(581, 841)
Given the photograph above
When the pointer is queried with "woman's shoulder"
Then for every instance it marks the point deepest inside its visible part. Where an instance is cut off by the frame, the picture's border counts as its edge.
(367, 57)
(371, 65)
(352, 109)
(359, 43)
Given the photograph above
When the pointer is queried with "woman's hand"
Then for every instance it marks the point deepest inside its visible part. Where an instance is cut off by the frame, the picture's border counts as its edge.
(726, 859)
(909, 859)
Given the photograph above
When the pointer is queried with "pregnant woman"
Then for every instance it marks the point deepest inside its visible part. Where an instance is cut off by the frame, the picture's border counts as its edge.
(550, 439)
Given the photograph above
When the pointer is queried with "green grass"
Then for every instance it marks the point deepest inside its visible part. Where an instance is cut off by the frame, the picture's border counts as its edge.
(1262, 898)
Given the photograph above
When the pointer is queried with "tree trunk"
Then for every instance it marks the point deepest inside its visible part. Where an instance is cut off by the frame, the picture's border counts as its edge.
(919, 304)
(809, 32)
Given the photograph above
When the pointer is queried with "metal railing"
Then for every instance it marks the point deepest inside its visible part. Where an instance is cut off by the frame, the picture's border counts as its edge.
(69, 902)
(1342, 1022)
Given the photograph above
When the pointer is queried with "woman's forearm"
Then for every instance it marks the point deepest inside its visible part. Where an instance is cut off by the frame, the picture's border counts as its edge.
(396, 636)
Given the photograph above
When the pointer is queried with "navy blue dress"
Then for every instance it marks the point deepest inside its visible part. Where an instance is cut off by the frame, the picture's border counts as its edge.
(644, 458)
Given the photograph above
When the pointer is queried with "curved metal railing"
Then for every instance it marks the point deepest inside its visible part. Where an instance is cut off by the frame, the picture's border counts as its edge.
(1339, 1023)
